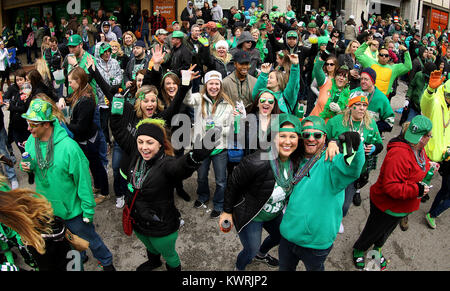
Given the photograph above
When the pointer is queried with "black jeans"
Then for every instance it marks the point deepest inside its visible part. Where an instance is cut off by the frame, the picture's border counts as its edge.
(377, 230)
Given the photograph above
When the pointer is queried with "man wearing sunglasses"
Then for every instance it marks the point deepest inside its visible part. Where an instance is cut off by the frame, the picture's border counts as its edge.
(312, 218)
(386, 72)
(62, 176)
(435, 105)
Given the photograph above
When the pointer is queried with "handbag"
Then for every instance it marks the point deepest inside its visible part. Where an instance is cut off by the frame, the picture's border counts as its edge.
(78, 243)
(137, 33)
(127, 220)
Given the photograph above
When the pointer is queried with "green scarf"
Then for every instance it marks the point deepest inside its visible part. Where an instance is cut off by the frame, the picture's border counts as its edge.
(339, 96)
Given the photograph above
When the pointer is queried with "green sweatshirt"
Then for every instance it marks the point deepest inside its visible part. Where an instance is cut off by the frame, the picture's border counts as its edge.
(416, 88)
(290, 93)
(314, 211)
(386, 74)
(67, 183)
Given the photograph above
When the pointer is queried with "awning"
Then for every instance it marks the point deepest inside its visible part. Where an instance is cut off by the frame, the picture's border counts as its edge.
(10, 4)
(395, 3)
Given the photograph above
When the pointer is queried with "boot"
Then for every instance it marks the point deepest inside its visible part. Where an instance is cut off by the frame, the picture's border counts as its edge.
(180, 191)
(176, 269)
(357, 198)
(154, 261)
(404, 223)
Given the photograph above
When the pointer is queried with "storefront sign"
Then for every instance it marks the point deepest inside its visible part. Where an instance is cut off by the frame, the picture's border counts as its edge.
(167, 9)
(438, 19)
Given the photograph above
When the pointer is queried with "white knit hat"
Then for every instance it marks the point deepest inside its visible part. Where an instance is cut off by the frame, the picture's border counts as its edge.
(222, 43)
(213, 75)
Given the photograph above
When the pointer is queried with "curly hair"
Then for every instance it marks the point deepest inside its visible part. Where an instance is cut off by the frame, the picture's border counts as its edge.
(29, 214)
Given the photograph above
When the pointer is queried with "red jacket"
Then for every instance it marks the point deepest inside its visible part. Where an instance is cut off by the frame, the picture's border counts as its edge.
(396, 188)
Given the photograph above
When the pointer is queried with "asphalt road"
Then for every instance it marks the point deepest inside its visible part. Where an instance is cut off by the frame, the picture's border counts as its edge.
(202, 247)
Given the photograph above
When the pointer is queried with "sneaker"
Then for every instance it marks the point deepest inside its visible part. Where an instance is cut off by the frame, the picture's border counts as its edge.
(268, 259)
(109, 268)
(404, 223)
(358, 259)
(383, 263)
(357, 199)
(431, 221)
(341, 228)
(14, 184)
(96, 190)
(198, 204)
(120, 201)
(215, 213)
(99, 198)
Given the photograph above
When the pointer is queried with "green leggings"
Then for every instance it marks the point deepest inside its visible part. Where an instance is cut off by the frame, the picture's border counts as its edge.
(162, 245)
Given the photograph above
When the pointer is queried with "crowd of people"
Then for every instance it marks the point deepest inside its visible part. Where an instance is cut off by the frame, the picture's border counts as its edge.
(278, 103)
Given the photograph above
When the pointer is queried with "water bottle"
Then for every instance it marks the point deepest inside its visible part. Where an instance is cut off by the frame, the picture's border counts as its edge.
(300, 112)
(368, 139)
(429, 176)
(26, 158)
(117, 103)
(357, 67)
(225, 226)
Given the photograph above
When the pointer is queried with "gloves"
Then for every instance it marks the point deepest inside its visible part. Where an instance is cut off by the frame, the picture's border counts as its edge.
(349, 144)
(436, 80)
(204, 147)
(335, 107)
(324, 55)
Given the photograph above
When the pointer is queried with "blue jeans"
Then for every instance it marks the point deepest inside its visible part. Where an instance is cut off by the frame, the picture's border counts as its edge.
(250, 237)
(10, 173)
(119, 184)
(411, 114)
(219, 162)
(103, 147)
(349, 193)
(91, 151)
(87, 231)
(290, 254)
(442, 200)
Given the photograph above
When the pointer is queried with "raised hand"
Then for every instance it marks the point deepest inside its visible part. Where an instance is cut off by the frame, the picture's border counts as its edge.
(158, 54)
(436, 79)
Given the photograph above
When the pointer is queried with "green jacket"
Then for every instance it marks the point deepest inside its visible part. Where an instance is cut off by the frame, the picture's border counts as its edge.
(67, 183)
(415, 90)
(314, 212)
(290, 92)
(436, 109)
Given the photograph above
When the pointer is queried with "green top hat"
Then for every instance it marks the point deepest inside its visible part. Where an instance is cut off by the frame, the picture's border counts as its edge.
(39, 111)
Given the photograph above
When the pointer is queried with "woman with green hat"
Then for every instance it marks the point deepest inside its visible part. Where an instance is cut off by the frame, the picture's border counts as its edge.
(258, 192)
(398, 189)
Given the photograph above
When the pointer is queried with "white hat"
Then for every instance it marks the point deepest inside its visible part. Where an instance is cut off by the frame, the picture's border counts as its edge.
(161, 31)
(352, 17)
(213, 75)
(222, 43)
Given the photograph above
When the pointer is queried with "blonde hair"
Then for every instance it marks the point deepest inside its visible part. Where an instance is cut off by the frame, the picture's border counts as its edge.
(349, 46)
(221, 94)
(145, 90)
(348, 115)
(27, 213)
(132, 36)
(42, 68)
(116, 43)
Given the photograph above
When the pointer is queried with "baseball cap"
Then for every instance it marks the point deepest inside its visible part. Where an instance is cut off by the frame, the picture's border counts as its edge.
(177, 34)
(291, 33)
(318, 123)
(140, 43)
(175, 22)
(241, 56)
(74, 40)
(419, 126)
(104, 47)
(210, 24)
(285, 118)
(213, 75)
(161, 31)
(113, 18)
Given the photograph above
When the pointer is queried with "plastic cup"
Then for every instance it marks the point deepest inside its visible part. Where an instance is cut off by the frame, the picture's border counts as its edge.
(185, 77)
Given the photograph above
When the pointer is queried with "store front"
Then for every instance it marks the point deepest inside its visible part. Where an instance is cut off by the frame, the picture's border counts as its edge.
(435, 19)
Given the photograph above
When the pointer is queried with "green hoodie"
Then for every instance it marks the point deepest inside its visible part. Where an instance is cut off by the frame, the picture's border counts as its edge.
(314, 211)
(67, 183)
(290, 92)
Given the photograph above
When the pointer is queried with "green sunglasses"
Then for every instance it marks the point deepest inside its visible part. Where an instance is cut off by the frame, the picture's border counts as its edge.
(315, 135)
(263, 100)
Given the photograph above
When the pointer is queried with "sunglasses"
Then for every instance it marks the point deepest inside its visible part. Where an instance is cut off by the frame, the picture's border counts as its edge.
(33, 124)
(384, 55)
(263, 100)
(330, 64)
(315, 135)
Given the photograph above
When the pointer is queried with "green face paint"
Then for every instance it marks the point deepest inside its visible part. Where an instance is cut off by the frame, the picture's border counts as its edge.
(354, 107)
